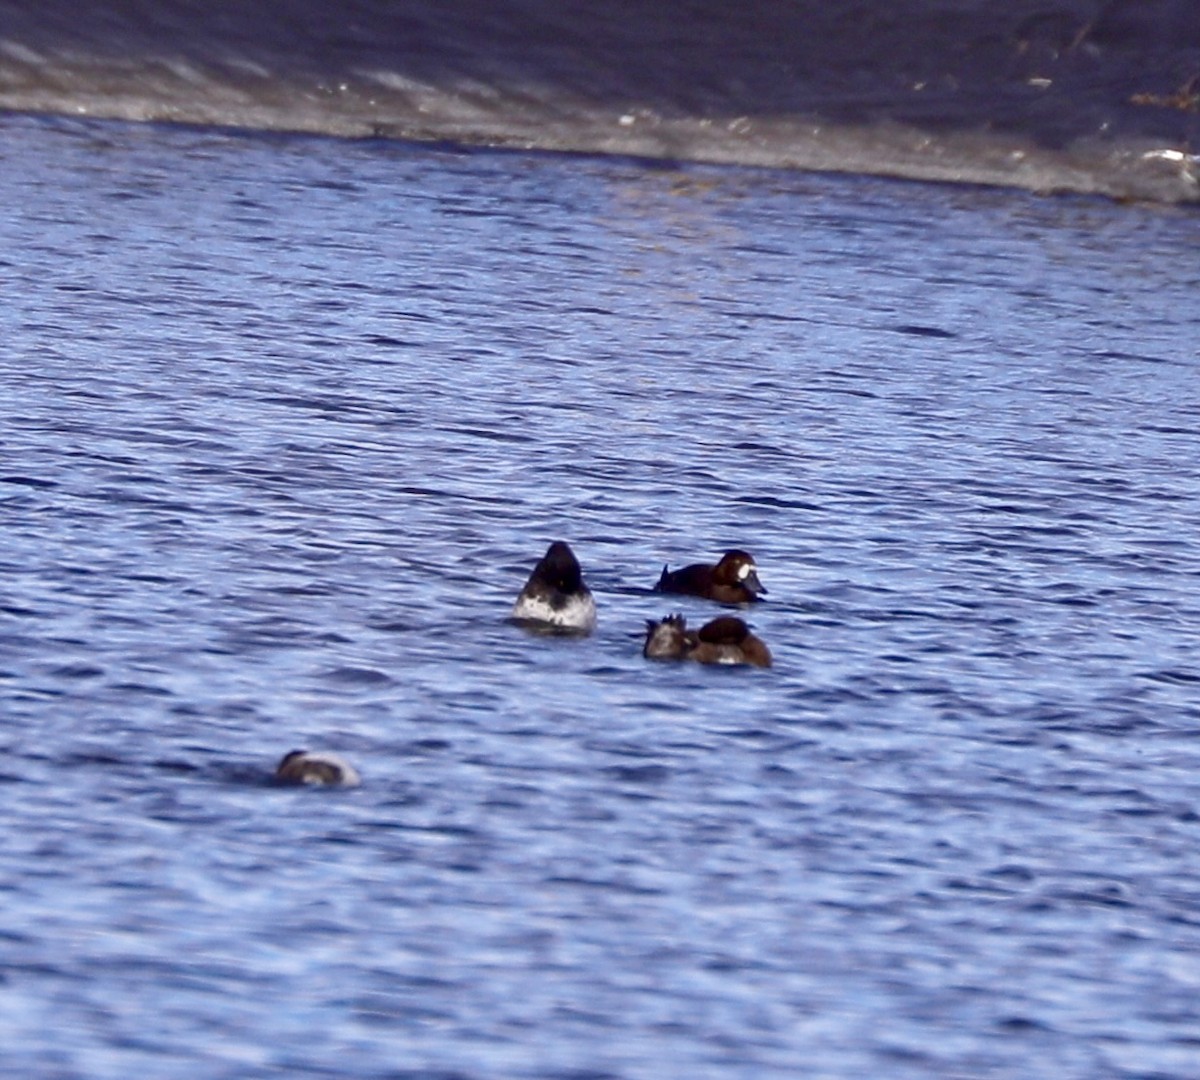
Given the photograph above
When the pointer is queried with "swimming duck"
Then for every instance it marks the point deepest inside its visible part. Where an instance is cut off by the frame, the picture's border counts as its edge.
(728, 640)
(316, 767)
(724, 640)
(734, 580)
(555, 595)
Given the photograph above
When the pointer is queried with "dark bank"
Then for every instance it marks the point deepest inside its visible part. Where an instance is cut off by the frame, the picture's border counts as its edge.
(1097, 97)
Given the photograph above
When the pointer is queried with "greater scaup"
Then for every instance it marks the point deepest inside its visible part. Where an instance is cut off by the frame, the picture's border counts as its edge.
(555, 595)
(316, 767)
(724, 640)
(734, 580)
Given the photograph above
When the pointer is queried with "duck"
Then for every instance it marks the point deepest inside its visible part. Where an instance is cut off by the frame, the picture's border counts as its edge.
(555, 597)
(724, 640)
(733, 580)
(728, 640)
(668, 639)
(316, 767)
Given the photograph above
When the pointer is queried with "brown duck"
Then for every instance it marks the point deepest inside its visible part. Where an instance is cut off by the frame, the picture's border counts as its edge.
(724, 640)
(733, 580)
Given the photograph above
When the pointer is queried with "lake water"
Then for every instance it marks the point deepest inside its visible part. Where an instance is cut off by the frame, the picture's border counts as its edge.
(287, 421)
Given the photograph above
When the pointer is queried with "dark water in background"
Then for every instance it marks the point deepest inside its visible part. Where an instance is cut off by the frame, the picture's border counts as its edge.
(285, 421)
(1053, 95)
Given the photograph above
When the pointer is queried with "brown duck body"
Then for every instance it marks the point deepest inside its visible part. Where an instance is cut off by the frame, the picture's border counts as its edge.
(728, 640)
(668, 639)
(724, 640)
(733, 580)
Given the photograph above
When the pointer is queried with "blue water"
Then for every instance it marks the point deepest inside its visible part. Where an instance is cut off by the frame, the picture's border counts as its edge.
(285, 424)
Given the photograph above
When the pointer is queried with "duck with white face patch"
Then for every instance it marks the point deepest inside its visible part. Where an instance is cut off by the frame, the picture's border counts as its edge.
(733, 580)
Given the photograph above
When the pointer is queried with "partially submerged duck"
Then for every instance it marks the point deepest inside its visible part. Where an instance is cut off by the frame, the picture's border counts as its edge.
(733, 580)
(724, 640)
(668, 639)
(555, 596)
(316, 767)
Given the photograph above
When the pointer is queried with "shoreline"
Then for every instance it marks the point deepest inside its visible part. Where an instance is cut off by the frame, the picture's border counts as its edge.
(1049, 97)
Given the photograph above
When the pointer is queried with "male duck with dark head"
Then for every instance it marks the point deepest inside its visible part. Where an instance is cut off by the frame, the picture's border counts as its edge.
(724, 640)
(555, 596)
(734, 580)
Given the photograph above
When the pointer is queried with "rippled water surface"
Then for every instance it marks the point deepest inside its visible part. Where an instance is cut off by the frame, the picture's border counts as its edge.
(285, 425)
